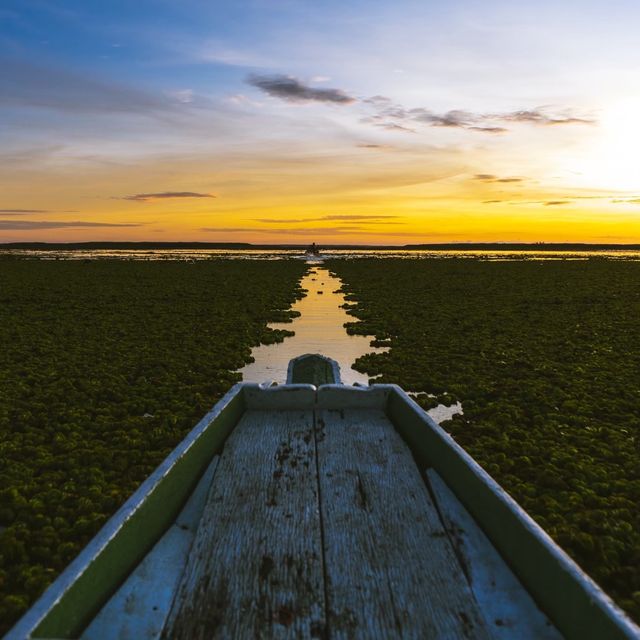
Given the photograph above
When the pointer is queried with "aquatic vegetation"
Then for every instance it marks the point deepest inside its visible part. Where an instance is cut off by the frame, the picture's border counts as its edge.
(104, 367)
(545, 358)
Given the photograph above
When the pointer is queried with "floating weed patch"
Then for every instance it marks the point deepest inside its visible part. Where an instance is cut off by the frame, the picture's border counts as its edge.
(545, 358)
(104, 368)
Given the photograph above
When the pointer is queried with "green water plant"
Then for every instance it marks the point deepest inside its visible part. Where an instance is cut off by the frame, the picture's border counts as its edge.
(545, 358)
(104, 367)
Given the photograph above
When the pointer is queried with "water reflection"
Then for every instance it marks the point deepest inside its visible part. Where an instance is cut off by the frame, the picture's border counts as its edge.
(278, 254)
(319, 329)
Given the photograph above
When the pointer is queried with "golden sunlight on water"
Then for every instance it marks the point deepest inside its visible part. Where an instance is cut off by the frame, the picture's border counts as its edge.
(319, 329)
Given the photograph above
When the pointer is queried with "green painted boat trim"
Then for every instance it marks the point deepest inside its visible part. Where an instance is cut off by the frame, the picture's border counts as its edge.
(313, 368)
(165, 491)
(571, 600)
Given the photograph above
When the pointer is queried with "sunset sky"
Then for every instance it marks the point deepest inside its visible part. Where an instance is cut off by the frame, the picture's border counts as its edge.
(385, 122)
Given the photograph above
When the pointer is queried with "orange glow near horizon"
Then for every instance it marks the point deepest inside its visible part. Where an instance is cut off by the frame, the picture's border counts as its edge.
(413, 123)
(392, 194)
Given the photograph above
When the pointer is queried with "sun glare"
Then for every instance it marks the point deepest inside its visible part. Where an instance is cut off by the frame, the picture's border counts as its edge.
(611, 159)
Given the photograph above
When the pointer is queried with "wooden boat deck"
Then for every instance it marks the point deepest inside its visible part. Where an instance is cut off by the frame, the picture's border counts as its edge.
(319, 524)
(321, 512)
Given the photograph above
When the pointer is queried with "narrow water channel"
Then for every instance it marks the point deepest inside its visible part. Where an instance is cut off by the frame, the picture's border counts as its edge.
(319, 329)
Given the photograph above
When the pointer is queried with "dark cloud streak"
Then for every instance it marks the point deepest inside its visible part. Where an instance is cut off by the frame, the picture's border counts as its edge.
(490, 177)
(394, 116)
(537, 116)
(145, 197)
(293, 90)
(21, 212)
(27, 225)
(495, 130)
(286, 231)
(330, 218)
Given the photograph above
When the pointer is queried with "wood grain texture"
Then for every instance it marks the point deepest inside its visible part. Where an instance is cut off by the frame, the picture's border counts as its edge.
(255, 569)
(508, 609)
(390, 568)
(138, 609)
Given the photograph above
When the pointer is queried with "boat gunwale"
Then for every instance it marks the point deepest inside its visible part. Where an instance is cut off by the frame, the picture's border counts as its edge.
(30, 623)
(335, 367)
(477, 484)
(603, 608)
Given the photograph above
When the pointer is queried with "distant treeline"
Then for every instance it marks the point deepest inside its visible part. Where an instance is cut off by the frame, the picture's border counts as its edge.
(457, 246)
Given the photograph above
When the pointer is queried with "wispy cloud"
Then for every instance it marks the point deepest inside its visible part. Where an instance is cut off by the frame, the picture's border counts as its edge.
(330, 218)
(21, 212)
(485, 177)
(496, 130)
(390, 115)
(26, 225)
(164, 195)
(378, 100)
(489, 177)
(560, 200)
(538, 116)
(356, 216)
(454, 118)
(393, 126)
(626, 200)
(310, 231)
(293, 90)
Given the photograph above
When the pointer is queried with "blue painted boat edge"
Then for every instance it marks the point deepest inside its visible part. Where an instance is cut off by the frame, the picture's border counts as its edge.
(608, 612)
(36, 615)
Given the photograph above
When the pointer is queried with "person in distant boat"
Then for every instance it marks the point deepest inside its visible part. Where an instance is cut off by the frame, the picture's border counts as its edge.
(313, 250)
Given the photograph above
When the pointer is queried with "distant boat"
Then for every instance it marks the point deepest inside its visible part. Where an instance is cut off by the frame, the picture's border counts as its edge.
(318, 510)
(312, 252)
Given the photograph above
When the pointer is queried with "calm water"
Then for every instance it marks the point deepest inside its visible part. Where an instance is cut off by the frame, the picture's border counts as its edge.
(278, 254)
(319, 329)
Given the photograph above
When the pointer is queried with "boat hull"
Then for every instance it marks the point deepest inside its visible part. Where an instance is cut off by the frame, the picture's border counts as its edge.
(570, 599)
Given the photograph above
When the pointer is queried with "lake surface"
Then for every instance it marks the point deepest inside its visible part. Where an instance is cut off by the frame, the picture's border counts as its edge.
(319, 329)
(279, 254)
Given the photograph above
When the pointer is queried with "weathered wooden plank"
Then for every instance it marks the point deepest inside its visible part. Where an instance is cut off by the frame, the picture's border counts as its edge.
(255, 570)
(138, 610)
(83, 588)
(339, 396)
(390, 568)
(291, 396)
(508, 609)
(574, 603)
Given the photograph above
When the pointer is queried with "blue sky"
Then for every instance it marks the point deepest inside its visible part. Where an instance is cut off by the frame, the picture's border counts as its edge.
(280, 100)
